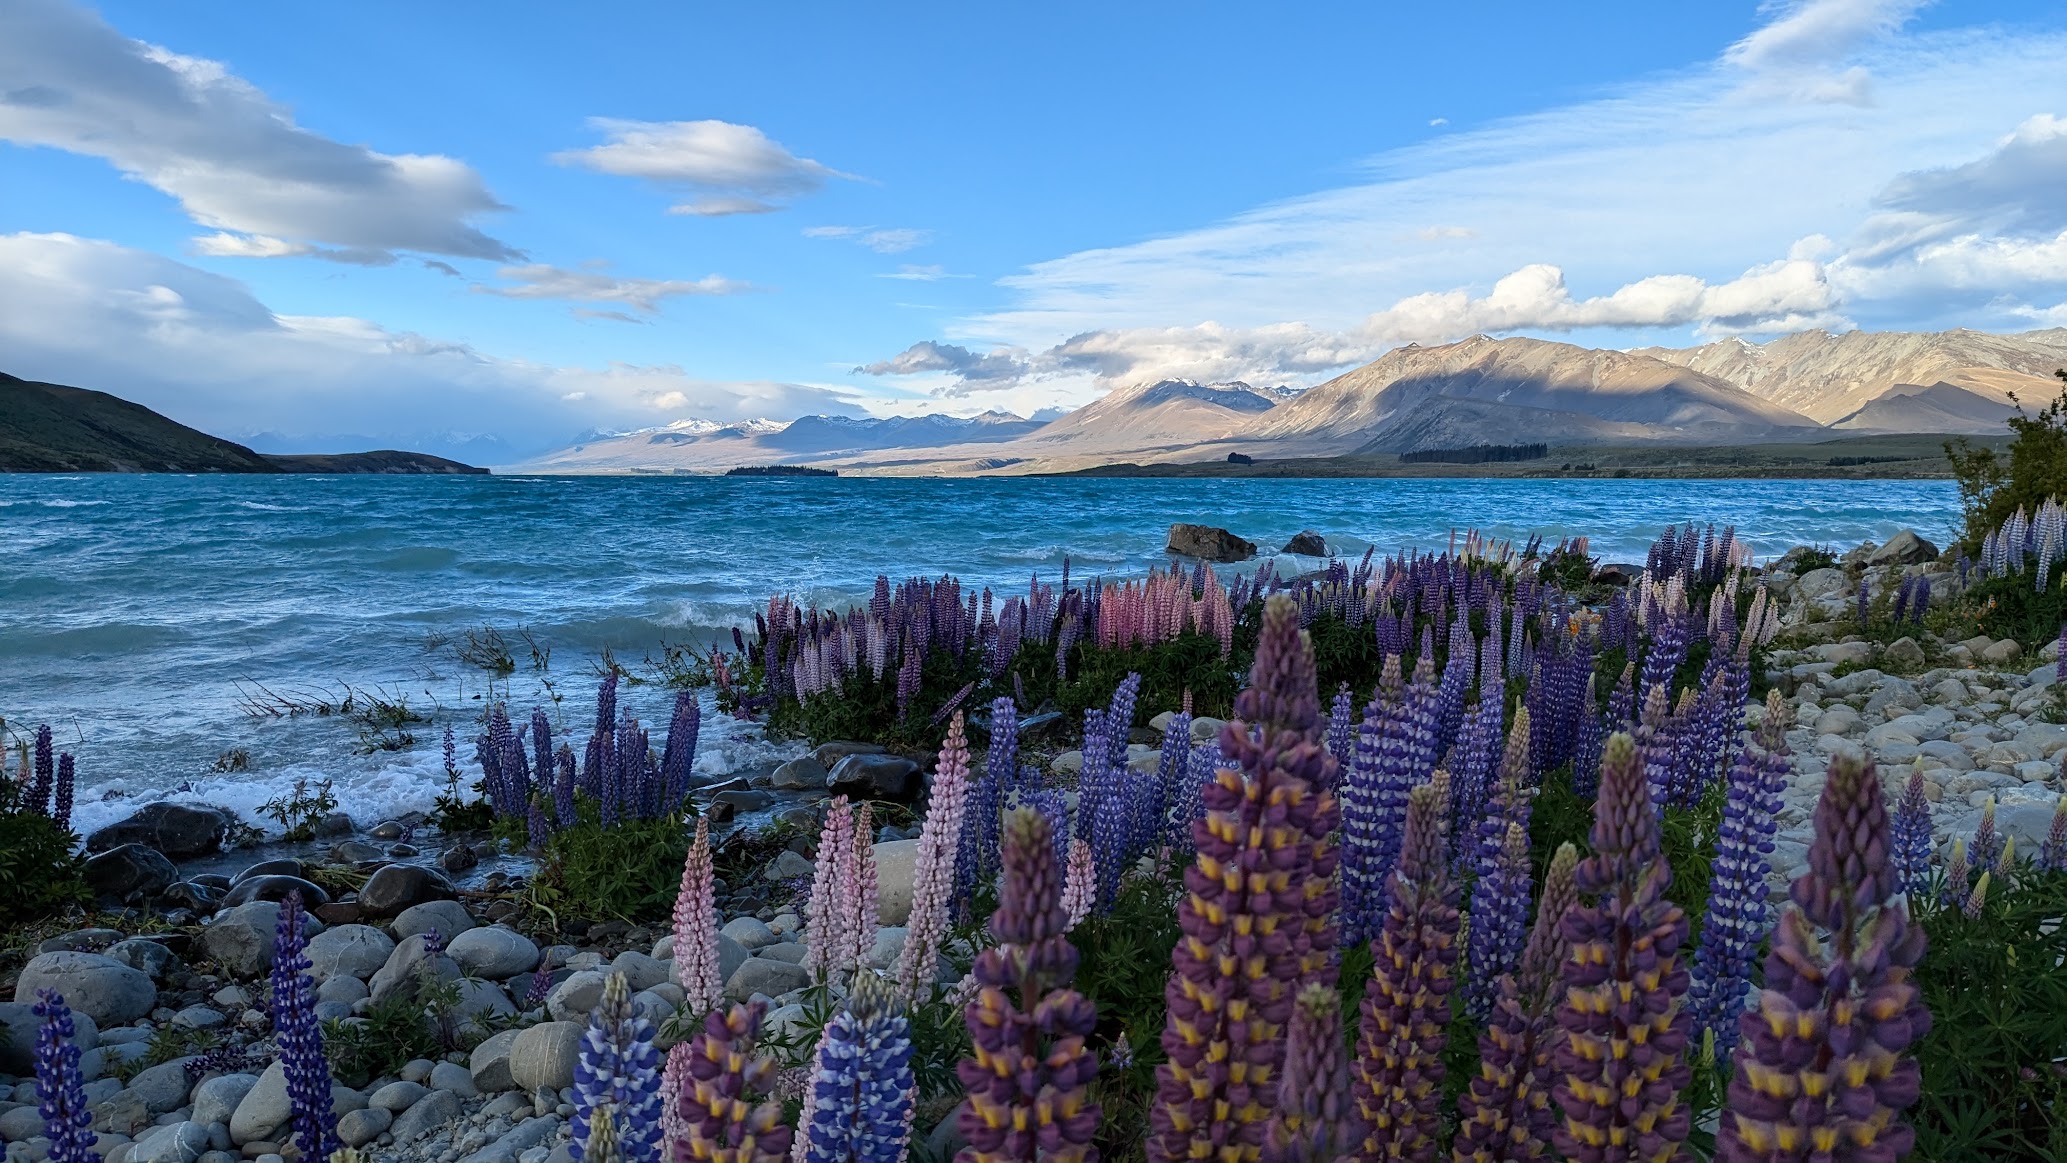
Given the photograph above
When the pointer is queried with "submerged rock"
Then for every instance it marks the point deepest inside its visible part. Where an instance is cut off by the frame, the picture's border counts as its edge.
(177, 830)
(1209, 543)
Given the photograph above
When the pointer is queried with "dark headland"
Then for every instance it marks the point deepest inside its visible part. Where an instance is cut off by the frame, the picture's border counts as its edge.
(56, 428)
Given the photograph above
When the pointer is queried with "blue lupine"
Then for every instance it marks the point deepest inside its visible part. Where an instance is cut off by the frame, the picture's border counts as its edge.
(1172, 774)
(451, 754)
(618, 1067)
(1911, 835)
(1669, 633)
(61, 806)
(1188, 802)
(1738, 911)
(60, 1096)
(46, 772)
(300, 1038)
(976, 857)
(1587, 743)
(1499, 922)
(861, 1091)
(563, 787)
(541, 747)
(678, 760)
(1341, 726)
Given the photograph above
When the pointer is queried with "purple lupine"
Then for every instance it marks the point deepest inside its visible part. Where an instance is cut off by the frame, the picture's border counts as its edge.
(1341, 726)
(1586, 744)
(1405, 1010)
(563, 787)
(1623, 1061)
(1499, 922)
(1911, 832)
(679, 756)
(1362, 886)
(725, 1111)
(1736, 922)
(1029, 1072)
(60, 1093)
(1315, 1120)
(1922, 603)
(976, 857)
(541, 747)
(2052, 856)
(1187, 801)
(61, 804)
(1823, 1058)
(451, 751)
(1987, 843)
(46, 773)
(1258, 915)
(617, 1069)
(859, 1103)
(300, 1038)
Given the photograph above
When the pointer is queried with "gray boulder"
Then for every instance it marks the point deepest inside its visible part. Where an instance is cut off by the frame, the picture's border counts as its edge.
(1307, 543)
(490, 1063)
(762, 975)
(397, 1097)
(162, 1087)
(216, 1100)
(152, 957)
(399, 976)
(1904, 548)
(1209, 543)
(397, 886)
(94, 984)
(358, 1128)
(573, 999)
(455, 1078)
(18, 1045)
(640, 971)
(876, 777)
(751, 932)
(241, 939)
(348, 951)
(543, 1055)
(435, 1110)
(448, 917)
(177, 830)
(493, 951)
(130, 873)
(788, 865)
(264, 1108)
(175, 1143)
(803, 773)
(479, 1002)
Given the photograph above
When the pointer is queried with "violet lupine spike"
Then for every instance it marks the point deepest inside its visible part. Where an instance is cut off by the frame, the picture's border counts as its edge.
(1257, 918)
(860, 896)
(60, 1093)
(563, 787)
(1029, 1073)
(1499, 922)
(1822, 1065)
(61, 803)
(1342, 726)
(679, 758)
(1987, 842)
(1316, 1120)
(1911, 835)
(861, 1092)
(617, 1070)
(726, 1114)
(2052, 856)
(300, 1039)
(933, 874)
(696, 927)
(1507, 1113)
(976, 859)
(1406, 1004)
(1623, 1062)
(46, 773)
(1736, 922)
(1080, 883)
(1958, 873)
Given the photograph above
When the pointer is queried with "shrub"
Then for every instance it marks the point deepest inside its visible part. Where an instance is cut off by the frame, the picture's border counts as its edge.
(40, 870)
(629, 871)
(1992, 488)
(301, 809)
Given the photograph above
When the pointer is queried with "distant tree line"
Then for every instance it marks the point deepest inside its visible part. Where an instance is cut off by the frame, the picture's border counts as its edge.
(780, 470)
(1476, 454)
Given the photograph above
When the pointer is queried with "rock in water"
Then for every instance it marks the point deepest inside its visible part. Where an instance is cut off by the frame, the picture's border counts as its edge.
(129, 873)
(1307, 543)
(1209, 543)
(876, 777)
(177, 830)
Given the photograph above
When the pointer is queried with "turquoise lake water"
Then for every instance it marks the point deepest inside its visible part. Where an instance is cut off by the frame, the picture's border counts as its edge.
(137, 613)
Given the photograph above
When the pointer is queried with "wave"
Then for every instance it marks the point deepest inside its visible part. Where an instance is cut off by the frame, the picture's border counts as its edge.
(53, 503)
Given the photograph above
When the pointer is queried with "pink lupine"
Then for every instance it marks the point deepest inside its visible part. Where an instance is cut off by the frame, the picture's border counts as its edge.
(858, 895)
(825, 939)
(933, 874)
(696, 927)
(1080, 883)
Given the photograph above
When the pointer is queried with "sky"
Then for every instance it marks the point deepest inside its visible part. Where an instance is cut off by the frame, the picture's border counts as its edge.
(491, 227)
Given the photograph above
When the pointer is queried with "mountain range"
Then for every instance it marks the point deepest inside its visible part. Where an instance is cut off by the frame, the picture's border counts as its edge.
(1807, 386)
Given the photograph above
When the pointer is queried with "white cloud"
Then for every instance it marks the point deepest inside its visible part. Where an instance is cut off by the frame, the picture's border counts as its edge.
(200, 348)
(930, 273)
(1818, 32)
(726, 168)
(895, 240)
(593, 285)
(1438, 122)
(233, 158)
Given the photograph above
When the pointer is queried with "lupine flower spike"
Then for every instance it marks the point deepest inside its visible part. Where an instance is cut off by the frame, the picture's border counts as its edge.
(1079, 883)
(1258, 912)
(617, 1070)
(60, 1096)
(1821, 1072)
(933, 876)
(1029, 1075)
(1315, 1120)
(1623, 1061)
(861, 1091)
(2053, 855)
(1406, 1002)
(696, 928)
(726, 1115)
(299, 1037)
(1912, 835)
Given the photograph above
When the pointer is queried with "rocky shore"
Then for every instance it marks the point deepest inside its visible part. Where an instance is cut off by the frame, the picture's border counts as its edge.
(181, 983)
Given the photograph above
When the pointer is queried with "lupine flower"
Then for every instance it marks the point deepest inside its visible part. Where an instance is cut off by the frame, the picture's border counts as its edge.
(2053, 855)
(1499, 920)
(1911, 834)
(1029, 1074)
(1987, 844)
(696, 927)
(535, 994)
(933, 874)
(861, 1086)
(1342, 725)
(825, 940)
(1736, 923)
(617, 1070)
(1978, 897)
(1079, 884)
(1821, 1071)
(1315, 1120)
(1258, 913)
(59, 1092)
(976, 858)
(1958, 873)
(1623, 1061)
(726, 1116)
(300, 1038)
(46, 772)
(603, 1145)
(1406, 1003)
(859, 895)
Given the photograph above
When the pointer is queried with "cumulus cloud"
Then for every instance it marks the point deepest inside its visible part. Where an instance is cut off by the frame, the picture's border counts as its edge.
(204, 350)
(594, 285)
(233, 158)
(1003, 366)
(892, 241)
(725, 168)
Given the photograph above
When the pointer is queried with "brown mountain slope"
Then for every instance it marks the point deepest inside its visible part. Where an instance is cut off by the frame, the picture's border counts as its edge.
(1511, 384)
(1829, 377)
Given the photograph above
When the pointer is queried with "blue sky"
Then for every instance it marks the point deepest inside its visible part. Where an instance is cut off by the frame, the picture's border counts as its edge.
(419, 223)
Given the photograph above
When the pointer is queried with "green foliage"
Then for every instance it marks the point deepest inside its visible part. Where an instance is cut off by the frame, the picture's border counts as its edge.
(169, 1043)
(2012, 607)
(631, 870)
(1125, 963)
(1558, 816)
(1996, 985)
(40, 874)
(301, 809)
(1990, 489)
(1810, 557)
(1690, 853)
(379, 1044)
(1191, 662)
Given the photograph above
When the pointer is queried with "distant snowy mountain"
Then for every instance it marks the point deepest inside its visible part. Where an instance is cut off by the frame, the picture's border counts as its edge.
(705, 446)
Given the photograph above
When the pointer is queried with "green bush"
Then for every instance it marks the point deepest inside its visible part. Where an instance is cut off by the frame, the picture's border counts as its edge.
(1992, 488)
(2012, 607)
(40, 870)
(1996, 985)
(630, 870)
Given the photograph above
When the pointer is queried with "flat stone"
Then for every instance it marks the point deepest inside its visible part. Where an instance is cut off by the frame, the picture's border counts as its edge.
(276, 887)
(490, 1062)
(751, 932)
(803, 773)
(94, 984)
(575, 998)
(181, 1142)
(435, 1110)
(264, 1109)
(241, 939)
(544, 1055)
(876, 777)
(397, 886)
(448, 917)
(493, 952)
(455, 1078)
(358, 1128)
(640, 971)
(350, 951)
(397, 1097)
(762, 975)
(2002, 653)
(215, 1100)
(788, 865)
